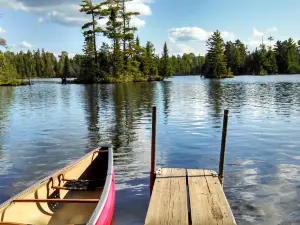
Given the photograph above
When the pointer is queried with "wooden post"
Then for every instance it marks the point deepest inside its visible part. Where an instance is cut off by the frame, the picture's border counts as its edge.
(223, 147)
(153, 149)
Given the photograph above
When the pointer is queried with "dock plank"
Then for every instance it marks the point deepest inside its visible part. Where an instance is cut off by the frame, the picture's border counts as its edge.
(168, 205)
(207, 200)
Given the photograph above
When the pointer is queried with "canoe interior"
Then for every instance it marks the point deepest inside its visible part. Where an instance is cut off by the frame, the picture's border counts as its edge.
(93, 167)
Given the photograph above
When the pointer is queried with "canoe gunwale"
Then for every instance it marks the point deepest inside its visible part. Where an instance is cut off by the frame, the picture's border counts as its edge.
(107, 189)
(108, 179)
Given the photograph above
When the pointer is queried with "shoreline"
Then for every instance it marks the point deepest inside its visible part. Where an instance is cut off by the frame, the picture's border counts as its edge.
(14, 82)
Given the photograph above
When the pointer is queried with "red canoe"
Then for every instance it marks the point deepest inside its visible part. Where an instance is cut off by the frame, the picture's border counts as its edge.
(82, 193)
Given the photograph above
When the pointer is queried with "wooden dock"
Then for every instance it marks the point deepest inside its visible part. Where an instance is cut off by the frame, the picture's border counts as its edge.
(188, 196)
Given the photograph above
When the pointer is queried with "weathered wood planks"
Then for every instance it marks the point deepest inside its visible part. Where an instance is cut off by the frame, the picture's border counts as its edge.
(208, 201)
(172, 189)
(168, 205)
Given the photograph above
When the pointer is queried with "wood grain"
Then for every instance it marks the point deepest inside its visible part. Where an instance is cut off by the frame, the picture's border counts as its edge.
(168, 205)
(207, 200)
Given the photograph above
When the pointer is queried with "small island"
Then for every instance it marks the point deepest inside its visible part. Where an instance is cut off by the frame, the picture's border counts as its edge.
(122, 57)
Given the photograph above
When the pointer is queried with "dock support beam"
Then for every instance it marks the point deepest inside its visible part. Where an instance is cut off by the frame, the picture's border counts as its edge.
(153, 150)
(223, 147)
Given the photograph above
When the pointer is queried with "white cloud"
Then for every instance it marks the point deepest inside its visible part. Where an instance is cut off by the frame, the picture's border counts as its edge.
(71, 55)
(41, 19)
(2, 31)
(192, 39)
(66, 12)
(26, 44)
(188, 34)
(185, 34)
(137, 22)
(259, 37)
(271, 30)
(256, 33)
(180, 49)
(228, 36)
(139, 6)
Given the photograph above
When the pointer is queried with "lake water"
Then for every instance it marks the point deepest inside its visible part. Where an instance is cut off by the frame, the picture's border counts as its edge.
(46, 126)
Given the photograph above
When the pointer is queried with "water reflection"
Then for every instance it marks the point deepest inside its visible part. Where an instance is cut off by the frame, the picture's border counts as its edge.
(46, 126)
(92, 108)
(6, 96)
(166, 95)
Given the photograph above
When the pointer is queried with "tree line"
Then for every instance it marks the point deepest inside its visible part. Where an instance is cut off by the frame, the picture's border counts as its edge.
(233, 58)
(37, 64)
(43, 64)
(122, 58)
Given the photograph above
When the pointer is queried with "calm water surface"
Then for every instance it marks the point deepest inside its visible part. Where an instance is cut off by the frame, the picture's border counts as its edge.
(46, 126)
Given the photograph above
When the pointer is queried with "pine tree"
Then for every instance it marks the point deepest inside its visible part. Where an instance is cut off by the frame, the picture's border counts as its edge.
(216, 62)
(66, 68)
(263, 62)
(90, 28)
(270, 39)
(88, 66)
(114, 32)
(165, 66)
(148, 66)
(137, 41)
(2, 42)
(127, 29)
(39, 63)
(272, 65)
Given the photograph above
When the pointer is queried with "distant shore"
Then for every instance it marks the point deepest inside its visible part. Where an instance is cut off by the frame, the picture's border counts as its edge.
(13, 82)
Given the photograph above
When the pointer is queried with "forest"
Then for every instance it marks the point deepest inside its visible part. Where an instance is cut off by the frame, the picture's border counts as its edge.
(122, 58)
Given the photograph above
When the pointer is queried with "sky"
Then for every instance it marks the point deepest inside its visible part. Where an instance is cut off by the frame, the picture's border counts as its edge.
(185, 25)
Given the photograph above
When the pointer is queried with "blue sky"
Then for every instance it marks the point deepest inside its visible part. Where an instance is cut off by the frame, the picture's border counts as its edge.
(185, 24)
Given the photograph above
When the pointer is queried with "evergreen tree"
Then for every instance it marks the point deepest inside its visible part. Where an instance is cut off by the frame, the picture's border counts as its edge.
(216, 62)
(270, 39)
(137, 41)
(90, 28)
(2, 42)
(272, 65)
(66, 68)
(114, 32)
(127, 29)
(165, 66)
(149, 68)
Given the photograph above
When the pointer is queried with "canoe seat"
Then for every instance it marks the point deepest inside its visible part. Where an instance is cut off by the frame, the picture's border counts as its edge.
(79, 185)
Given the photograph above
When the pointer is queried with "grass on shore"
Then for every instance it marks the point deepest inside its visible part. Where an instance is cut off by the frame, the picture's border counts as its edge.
(116, 80)
(13, 82)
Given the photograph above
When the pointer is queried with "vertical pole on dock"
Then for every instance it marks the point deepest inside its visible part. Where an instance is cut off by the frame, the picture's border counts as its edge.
(223, 147)
(153, 150)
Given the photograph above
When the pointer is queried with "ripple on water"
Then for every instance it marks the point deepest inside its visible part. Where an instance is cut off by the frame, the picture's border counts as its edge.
(46, 126)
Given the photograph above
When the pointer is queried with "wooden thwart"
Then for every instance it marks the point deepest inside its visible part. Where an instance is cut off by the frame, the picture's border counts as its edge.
(101, 151)
(172, 189)
(9, 223)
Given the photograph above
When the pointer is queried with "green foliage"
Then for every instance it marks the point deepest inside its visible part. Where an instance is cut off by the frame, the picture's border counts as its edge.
(2, 42)
(188, 64)
(216, 61)
(284, 58)
(90, 29)
(148, 65)
(166, 70)
(124, 58)
(66, 69)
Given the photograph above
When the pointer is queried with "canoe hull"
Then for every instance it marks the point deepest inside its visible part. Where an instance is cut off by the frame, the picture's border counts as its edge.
(107, 213)
(35, 200)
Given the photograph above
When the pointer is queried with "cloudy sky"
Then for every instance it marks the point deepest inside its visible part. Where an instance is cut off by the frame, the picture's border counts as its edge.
(55, 24)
